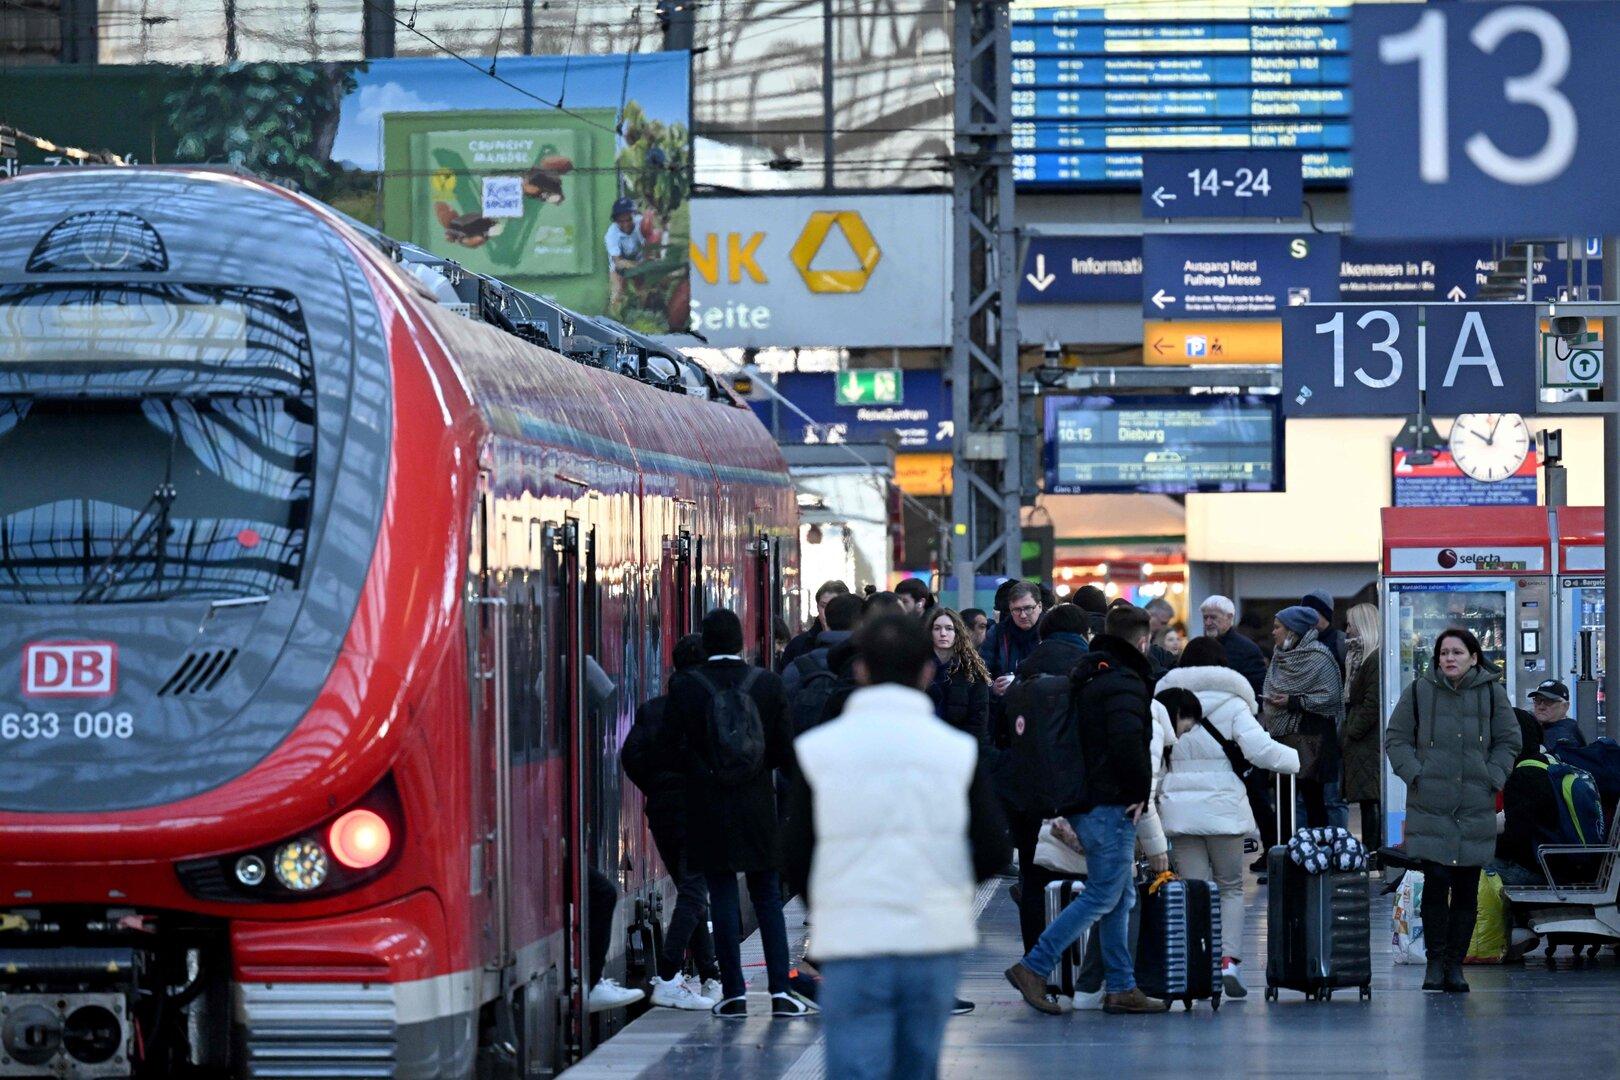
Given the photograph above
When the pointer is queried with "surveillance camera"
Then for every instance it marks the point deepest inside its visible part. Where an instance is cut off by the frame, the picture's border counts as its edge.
(1568, 327)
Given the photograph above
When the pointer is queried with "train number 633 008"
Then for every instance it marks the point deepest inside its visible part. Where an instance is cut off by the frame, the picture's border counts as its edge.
(49, 725)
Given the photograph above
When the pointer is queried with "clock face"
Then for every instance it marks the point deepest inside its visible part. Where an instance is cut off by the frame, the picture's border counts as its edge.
(1490, 446)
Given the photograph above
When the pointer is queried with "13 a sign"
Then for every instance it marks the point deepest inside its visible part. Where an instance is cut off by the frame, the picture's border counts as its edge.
(1354, 360)
(1484, 119)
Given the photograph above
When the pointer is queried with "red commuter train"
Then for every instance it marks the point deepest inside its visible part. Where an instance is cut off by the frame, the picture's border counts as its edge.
(324, 609)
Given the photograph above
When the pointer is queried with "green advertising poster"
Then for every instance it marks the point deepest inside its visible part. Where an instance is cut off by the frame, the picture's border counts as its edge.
(449, 178)
(496, 174)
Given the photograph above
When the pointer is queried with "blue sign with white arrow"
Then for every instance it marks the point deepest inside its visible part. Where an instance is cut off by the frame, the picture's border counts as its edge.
(1222, 183)
(1081, 270)
(1237, 276)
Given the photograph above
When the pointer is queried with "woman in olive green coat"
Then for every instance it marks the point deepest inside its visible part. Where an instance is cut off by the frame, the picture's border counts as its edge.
(1452, 740)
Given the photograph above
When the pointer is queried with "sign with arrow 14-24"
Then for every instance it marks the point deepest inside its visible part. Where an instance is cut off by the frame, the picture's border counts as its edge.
(1222, 184)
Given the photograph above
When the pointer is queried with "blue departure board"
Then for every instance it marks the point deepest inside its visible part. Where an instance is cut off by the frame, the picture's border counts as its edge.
(1094, 85)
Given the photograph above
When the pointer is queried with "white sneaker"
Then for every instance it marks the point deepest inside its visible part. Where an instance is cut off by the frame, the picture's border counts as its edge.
(1092, 1002)
(1232, 980)
(675, 994)
(608, 994)
(711, 988)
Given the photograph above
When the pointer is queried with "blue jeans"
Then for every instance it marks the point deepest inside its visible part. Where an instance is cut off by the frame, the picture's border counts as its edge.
(725, 908)
(1338, 811)
(1109, 837)
(884, 1016)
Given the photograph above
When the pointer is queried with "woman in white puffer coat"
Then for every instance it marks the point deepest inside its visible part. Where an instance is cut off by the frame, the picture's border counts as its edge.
(1203, 805)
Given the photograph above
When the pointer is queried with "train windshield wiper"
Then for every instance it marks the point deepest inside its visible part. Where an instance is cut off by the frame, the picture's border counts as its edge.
(155, 514)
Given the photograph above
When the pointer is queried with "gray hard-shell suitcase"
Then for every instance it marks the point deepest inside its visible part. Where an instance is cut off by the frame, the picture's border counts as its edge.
(1059, 895)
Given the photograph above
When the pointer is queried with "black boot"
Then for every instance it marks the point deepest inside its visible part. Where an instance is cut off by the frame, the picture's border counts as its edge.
(1462, 932)
(1437, 943)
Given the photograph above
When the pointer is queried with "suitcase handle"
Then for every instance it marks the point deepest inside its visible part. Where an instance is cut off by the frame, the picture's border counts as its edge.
(1163, 877)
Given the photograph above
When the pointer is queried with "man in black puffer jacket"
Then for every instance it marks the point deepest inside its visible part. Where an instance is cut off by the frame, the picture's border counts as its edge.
(1113, 705)
(1014, 776)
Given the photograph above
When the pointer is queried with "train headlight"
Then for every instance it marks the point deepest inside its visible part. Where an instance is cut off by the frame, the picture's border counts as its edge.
(301, 865)
(250, 870)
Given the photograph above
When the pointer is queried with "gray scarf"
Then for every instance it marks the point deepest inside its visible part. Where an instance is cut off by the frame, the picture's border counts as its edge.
(1303, 669)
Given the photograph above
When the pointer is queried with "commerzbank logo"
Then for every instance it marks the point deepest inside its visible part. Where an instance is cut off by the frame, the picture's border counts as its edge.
(815, 254)
(817, 231)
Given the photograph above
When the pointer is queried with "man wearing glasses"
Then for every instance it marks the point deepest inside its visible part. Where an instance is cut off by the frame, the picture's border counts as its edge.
(1011, 640)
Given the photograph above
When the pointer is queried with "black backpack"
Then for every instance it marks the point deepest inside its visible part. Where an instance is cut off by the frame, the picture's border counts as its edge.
(1043, 745)
(736, 732)
(816, 685)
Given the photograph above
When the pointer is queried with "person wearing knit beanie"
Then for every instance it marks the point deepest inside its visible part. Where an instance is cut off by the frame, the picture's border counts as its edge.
(1299, 619)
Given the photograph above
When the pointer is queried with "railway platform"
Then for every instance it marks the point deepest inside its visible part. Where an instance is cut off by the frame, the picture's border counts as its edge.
(1535, 1019)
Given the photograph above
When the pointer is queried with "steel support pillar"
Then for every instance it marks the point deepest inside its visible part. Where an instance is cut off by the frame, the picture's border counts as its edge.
(984, 300)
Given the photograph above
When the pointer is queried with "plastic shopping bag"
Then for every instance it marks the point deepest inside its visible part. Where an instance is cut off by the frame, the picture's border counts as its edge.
(1058, 849)
(1490, 941)
(1408, 923)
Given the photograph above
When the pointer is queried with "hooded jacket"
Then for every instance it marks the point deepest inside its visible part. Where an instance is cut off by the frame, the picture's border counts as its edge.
(1453, 747)
(1113, 693)
(1202, 794)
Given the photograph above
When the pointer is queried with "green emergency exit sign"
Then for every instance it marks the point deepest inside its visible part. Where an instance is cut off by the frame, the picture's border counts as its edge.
(876, 387)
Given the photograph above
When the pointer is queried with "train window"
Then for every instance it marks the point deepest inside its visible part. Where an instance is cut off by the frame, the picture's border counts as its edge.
(146, 499)
(157, 441)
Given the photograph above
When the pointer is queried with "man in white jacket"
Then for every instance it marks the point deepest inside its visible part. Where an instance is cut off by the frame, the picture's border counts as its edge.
(1203, 803)
(894, 822)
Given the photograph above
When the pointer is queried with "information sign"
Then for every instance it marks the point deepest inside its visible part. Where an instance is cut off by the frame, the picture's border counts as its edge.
(1442, 483)
(1222, 183)
(1241, 275)
(1090, 269)
(1166, 444)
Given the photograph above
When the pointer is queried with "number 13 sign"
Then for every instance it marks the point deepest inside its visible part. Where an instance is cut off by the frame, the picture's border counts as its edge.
(1484, 119)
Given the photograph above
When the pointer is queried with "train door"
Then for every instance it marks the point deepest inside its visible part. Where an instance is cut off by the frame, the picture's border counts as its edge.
(489, 759)
(765, 578)
(575, 548)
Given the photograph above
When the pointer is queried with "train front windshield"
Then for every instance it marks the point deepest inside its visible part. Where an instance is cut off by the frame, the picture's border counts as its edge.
(156, 442)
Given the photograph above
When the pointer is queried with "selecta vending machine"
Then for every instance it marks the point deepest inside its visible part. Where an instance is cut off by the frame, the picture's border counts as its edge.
(1579, 657)
(1485, 569)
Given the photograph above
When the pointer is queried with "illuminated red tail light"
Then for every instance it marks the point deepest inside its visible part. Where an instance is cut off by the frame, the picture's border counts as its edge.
(360, 839)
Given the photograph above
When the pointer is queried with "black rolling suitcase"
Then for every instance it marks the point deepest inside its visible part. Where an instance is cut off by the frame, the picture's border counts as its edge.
(1178, 953)
(1059, 894)
(1319, 930)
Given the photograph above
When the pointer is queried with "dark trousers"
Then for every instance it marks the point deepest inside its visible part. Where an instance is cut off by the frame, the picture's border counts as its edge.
(1372, 824)
(603, 898)
(1450, 903)
(1314, 792)
(725, 906)
(1032, 879)
(1263, 801)
(689, 924)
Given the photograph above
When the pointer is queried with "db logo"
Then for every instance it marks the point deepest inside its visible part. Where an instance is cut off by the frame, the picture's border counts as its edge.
(70, 669)
(1447, 559)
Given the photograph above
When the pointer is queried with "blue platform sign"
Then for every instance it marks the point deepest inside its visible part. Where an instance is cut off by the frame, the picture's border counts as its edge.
(1222, 184)
(921, 422)
(1487, 119)
(1082, 269)
(1372, 360)
(1426, 271)
(1238, 276)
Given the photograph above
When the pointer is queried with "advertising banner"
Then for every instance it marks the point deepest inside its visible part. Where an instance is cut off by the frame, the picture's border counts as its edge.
(822, 270)
(586, 203)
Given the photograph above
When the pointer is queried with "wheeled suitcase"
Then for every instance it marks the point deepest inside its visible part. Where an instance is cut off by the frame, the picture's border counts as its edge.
(1178, 953)
(1319, 930)
(1059, 894)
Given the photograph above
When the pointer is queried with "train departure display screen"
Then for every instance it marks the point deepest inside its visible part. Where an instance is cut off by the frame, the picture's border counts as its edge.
(1163, 444)
(1094, 85)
